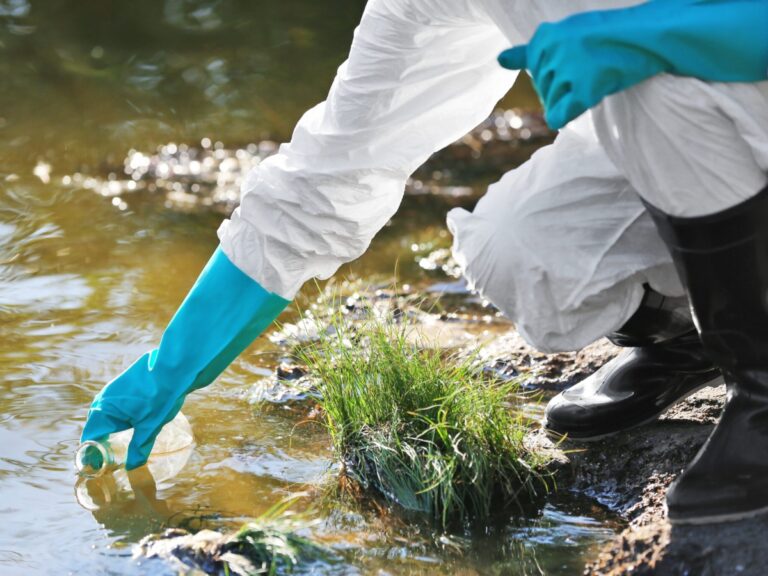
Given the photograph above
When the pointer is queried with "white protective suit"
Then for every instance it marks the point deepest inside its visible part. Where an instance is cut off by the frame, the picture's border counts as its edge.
(561, 245)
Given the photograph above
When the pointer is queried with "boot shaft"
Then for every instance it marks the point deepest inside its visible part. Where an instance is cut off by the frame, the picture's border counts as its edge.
(658, 320)
(722, 260)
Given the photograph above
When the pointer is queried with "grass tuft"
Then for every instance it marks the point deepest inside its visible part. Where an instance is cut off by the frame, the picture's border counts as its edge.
(428, 432)
(270, 544)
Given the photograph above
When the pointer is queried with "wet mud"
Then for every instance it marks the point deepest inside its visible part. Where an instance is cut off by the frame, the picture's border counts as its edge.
(629, 475)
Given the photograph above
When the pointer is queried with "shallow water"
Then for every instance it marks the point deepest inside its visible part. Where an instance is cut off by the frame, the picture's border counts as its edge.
(87, 284)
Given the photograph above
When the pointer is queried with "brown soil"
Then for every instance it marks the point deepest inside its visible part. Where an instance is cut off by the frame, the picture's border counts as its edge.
(630, 474)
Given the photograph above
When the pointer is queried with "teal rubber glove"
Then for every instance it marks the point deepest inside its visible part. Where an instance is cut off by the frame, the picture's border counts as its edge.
(578, 61)
(222, 314)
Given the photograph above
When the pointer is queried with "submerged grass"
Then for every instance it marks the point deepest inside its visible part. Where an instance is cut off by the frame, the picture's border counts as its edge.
(270, 544)
(428, 432)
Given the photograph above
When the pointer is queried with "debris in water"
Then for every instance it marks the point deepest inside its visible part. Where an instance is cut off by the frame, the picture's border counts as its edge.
(267, 545)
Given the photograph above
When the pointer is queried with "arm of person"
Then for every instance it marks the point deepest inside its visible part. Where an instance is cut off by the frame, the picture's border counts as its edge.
(578, 61)
(420, 74)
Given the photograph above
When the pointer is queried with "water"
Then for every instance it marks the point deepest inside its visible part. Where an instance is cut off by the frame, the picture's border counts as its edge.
(86, 285)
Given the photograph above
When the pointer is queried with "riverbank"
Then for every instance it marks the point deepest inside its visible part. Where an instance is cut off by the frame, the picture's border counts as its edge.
(627, 475)
(630, 475)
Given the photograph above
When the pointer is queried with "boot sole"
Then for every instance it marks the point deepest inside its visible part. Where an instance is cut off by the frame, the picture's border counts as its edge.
(714, 383)
(716, 519)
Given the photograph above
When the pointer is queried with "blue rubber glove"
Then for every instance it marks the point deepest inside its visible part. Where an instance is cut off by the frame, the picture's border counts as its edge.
(222, 314)
(578, 61)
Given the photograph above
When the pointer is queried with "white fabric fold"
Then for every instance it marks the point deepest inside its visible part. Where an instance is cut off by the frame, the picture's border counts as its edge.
(561, 245)
(415, 81)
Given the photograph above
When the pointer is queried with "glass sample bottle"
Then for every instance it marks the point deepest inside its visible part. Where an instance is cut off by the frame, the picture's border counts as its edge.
(95, 458)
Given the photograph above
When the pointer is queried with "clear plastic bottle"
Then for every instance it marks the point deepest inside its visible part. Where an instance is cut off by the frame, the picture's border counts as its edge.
(95, 458)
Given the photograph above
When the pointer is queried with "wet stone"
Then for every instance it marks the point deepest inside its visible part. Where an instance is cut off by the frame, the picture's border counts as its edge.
(201, 551)
(510, 357)
(249, 551)
(276, 390)
(290, 371)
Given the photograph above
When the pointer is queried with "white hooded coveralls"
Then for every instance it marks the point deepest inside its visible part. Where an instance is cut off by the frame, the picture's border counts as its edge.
(561, 245)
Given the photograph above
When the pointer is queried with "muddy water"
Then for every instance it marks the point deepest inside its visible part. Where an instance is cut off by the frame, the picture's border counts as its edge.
(87, 284)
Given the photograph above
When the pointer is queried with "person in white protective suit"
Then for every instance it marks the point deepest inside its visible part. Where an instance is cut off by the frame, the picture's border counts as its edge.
(642, 205)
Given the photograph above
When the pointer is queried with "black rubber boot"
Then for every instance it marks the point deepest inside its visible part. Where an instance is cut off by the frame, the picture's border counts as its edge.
(723, 261)
(664, 364)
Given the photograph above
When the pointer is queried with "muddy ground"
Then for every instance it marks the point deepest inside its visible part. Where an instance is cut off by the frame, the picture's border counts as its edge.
(629, 475)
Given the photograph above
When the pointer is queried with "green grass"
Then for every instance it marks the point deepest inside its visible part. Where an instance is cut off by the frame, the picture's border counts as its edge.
(270, 544)
(425, 431)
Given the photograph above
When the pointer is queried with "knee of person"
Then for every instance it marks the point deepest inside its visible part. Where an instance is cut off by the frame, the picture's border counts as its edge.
(530, 215)
(514, 197)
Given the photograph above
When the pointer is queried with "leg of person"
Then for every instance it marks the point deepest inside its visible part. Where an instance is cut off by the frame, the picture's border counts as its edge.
(698, 155)
(564, 247)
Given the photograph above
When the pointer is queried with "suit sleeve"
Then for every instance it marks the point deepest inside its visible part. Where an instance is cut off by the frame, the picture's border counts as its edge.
(420, 74)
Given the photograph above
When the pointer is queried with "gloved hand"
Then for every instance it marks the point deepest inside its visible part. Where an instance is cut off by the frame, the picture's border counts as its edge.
(222, 314)
(578, 61)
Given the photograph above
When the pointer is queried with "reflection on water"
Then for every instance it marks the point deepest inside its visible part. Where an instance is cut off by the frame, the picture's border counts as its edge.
(86, 285)
(82, 81)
